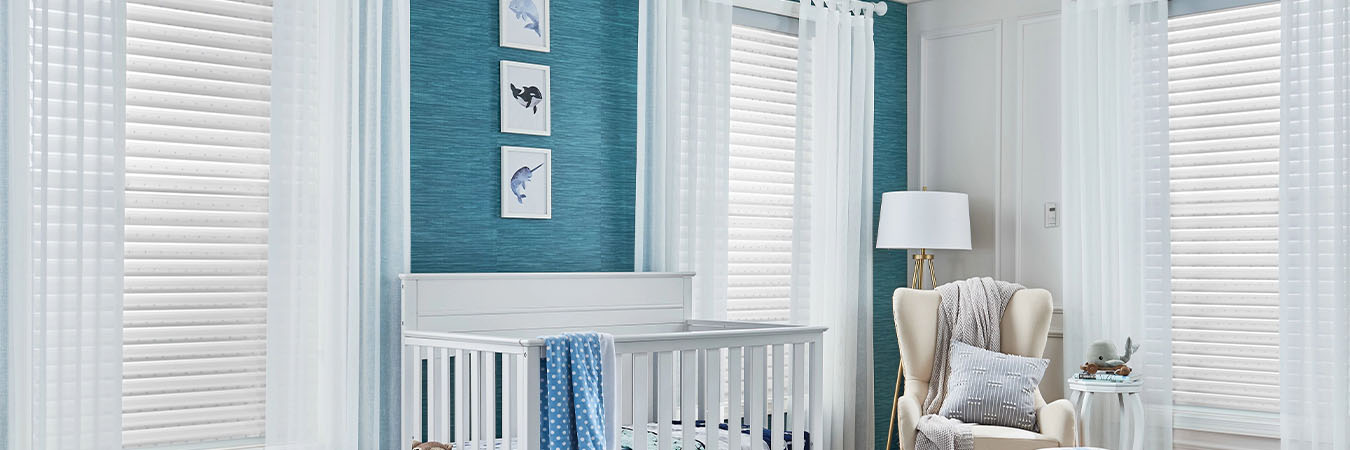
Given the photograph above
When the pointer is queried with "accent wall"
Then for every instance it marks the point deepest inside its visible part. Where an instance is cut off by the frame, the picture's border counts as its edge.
(455, 140)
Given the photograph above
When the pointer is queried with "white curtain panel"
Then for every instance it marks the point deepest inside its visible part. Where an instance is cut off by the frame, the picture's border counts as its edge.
(1116, 250)
(1315, 225)
(338, 221)
(66, 222)
(684, 106)
(833, 279)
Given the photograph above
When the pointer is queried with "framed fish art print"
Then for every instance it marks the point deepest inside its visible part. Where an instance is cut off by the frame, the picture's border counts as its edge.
(527, 183)
(526, 97)
(524, 24)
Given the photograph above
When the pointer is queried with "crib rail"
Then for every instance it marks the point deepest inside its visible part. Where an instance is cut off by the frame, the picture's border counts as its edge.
(480, 391)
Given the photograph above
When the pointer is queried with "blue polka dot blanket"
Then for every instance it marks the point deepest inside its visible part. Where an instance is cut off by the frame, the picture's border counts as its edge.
(579, 398)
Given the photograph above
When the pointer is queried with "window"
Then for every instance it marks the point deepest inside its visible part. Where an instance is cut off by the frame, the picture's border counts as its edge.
(197, 137)
(761, 179)
(1224, 84)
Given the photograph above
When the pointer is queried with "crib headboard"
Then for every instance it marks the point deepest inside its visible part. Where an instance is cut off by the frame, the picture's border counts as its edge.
(533, 304)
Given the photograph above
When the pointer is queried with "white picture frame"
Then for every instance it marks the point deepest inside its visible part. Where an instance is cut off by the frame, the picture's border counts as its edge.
(524, 24)
(527, 183)
(526, 99)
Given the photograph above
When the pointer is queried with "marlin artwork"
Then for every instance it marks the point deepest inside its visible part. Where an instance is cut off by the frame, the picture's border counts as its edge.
(529, 97)
(518, 180)
(527, 12)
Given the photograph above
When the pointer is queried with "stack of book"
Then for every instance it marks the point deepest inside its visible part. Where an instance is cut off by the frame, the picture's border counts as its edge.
(1104, 376)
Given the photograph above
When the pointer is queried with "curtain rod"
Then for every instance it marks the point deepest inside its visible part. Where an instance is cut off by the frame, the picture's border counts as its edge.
(879, 8)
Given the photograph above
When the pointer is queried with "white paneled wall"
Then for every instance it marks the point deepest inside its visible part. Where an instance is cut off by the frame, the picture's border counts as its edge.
(984, 120)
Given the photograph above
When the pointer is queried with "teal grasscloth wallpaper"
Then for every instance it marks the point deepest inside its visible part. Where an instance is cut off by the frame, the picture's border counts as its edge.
(456, 223)
(889, 174)
(455, 144)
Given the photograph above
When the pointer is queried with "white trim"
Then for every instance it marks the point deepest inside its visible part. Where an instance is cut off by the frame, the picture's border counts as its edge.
(1215, 420)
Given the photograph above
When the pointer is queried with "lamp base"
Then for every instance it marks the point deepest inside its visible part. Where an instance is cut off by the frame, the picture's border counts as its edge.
(923, 262)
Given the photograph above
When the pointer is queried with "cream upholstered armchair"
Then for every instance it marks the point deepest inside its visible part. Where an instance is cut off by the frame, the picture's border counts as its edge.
(1024, 329)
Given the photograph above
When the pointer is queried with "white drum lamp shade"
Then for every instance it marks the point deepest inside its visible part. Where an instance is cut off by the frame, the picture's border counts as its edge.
(924, 220)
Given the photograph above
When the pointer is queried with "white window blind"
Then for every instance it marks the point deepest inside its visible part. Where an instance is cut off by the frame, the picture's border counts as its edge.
(761, 179)
(1224, 84)
(197, 139)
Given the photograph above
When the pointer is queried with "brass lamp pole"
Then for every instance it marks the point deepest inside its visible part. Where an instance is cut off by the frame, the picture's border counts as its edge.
(923, 220)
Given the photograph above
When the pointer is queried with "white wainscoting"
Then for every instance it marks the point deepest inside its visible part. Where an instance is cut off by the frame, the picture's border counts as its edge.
(984, 120)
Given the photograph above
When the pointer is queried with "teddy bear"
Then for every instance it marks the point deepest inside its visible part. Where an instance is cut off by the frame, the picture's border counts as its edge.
(429, 445)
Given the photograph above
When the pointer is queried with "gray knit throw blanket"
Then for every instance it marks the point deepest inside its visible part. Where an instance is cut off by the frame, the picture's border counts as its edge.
(970, 312)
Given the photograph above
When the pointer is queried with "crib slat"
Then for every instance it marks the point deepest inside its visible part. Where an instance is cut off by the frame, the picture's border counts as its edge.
(508, 395)
(530, 436)
(408, 412)
(688, 395)
(819, 439)
(757, 384)
(642, 381)
(622, 385)
(735, 397)
(442, 400)
(489, 391)
(461, 396)
(798, 414)
(433, 390)
(665, 402)
(776, 422)
(712, 387)
(475, 397)
(418, 432)
(522, 405)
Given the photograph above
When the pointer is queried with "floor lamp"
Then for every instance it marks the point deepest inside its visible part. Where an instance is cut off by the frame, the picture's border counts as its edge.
(923, 220)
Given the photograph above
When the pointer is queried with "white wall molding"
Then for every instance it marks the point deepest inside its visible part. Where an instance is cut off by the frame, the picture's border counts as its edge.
(979, 37)
(1010, 110)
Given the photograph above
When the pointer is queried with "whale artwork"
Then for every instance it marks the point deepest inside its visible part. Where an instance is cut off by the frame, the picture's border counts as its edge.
(526, 183)
(526, 99)
(529, 97)
(523, 175)
(527, 12)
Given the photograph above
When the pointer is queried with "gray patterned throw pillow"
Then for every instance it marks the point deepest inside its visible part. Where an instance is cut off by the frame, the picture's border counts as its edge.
(992, 388)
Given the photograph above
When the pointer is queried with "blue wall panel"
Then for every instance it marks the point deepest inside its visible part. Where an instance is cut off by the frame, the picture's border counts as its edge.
(889, 169)
(456, 224)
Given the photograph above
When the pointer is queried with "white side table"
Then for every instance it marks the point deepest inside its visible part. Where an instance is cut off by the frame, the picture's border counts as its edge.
(1082, 393)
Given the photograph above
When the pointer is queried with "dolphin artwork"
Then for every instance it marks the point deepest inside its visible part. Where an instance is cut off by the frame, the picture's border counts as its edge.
(529, 97)
(527, 12)
(518, 180)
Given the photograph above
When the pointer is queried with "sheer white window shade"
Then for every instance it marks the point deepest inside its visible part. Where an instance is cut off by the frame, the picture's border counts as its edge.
(1224, 84)
(762, 174)
(197, 142)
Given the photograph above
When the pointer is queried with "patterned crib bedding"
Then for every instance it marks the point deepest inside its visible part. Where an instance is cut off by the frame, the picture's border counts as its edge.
(626, 439)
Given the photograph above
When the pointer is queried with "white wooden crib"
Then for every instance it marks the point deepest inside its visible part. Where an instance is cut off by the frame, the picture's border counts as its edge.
(471, 360)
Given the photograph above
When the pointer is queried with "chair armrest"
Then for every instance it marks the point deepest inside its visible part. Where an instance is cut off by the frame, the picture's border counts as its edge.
(909, 421)
(1058, 421)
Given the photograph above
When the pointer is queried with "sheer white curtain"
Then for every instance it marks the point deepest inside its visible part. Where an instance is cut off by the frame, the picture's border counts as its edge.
(65, 211)
(1116, 251)
(684, 106)
(1315, 225)
(338, 229)
(832, 279)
